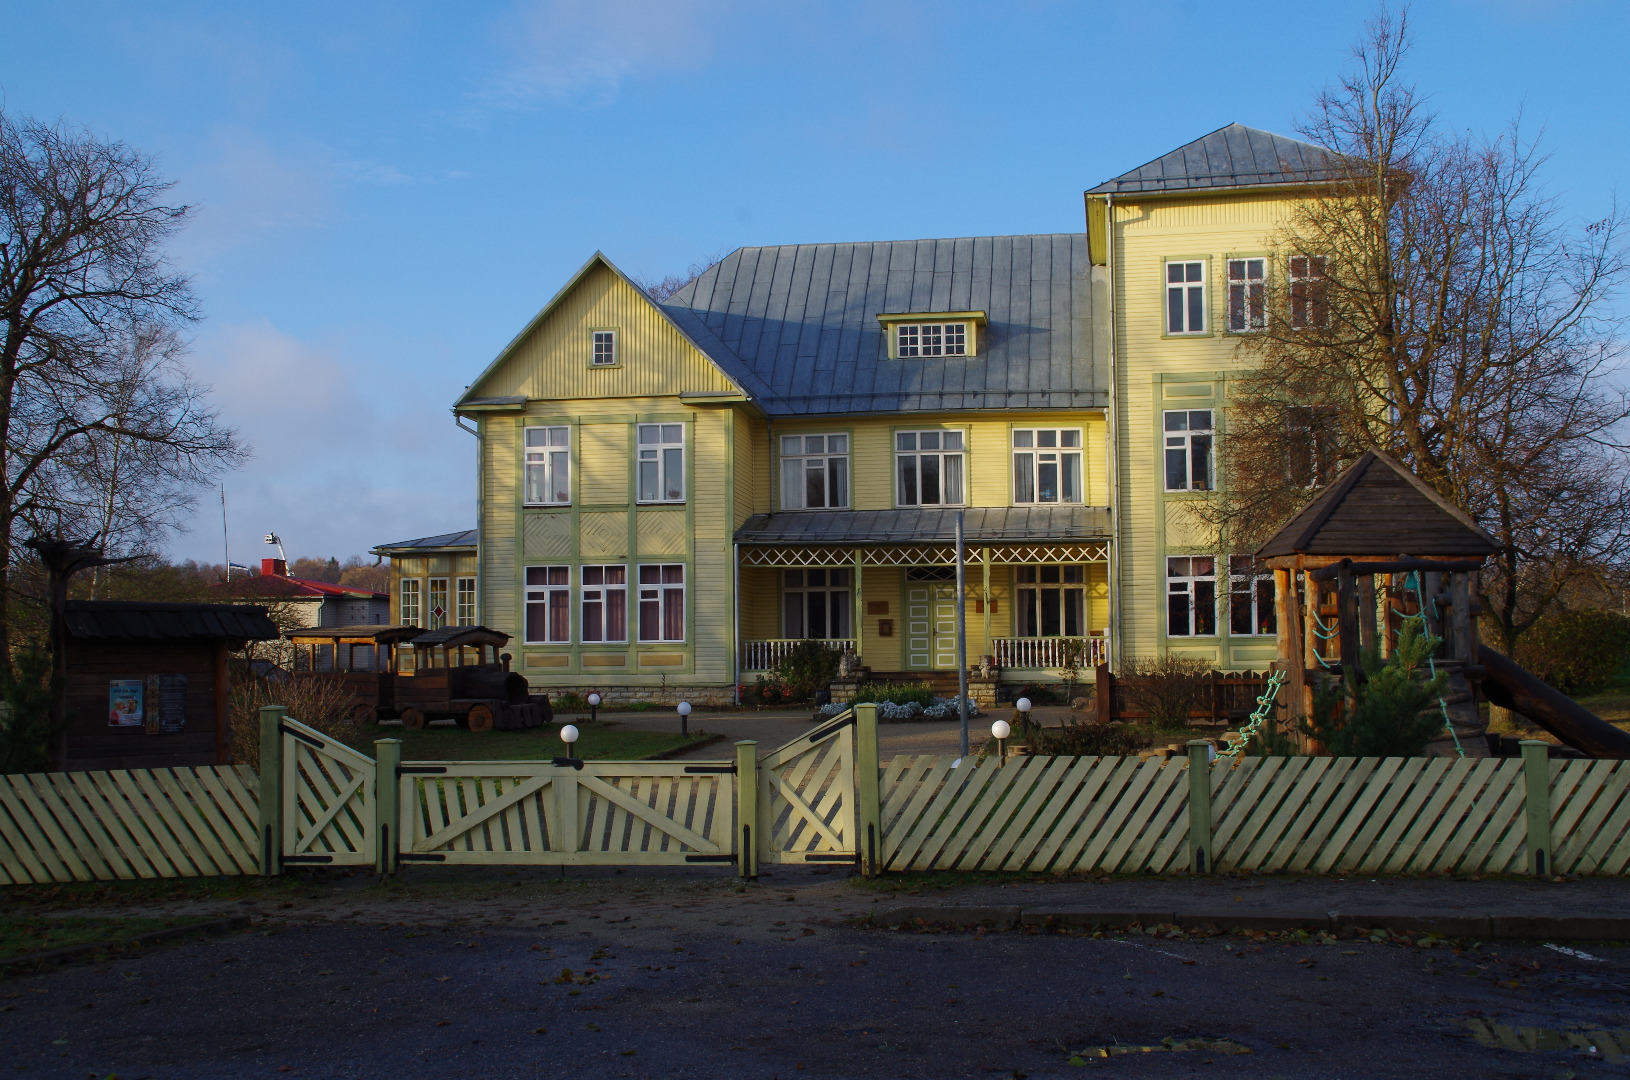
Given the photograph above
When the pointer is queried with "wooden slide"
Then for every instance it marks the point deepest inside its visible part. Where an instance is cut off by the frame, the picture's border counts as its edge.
(1510, 686)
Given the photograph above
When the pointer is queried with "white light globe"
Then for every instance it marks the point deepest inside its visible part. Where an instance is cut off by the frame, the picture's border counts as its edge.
(568, 734)
(1023, 704)
(1001, 729)
(594, 699)
(684, 708)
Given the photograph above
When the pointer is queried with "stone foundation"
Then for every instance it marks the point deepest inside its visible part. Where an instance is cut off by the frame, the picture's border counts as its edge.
(613, 696)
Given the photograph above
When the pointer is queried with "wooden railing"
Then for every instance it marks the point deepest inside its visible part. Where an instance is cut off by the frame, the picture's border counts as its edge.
(765, 655)
(1050, 652)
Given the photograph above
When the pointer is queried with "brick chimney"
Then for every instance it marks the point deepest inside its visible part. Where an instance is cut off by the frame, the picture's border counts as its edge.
(274, 568)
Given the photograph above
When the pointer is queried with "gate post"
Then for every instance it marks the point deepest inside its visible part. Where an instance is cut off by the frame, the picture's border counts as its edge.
(1200, 854)
(1536, 767)
(271, 789)
(387, 804)
(868, 800)
(747, 809)
(564, 831)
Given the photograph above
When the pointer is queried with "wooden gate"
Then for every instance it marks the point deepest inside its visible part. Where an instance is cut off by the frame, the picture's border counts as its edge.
(807, 809)
(594, 812)
(328, 799)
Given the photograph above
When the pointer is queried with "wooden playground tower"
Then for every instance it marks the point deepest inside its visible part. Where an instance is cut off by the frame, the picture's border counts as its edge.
(1374, 549)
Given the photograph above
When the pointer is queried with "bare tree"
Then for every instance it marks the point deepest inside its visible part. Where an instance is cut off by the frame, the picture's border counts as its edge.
(1432, 302)
(661, 290)
(101, 427)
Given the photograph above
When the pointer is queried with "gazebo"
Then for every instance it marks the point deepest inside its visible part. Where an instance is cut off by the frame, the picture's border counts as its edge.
(1376, 547)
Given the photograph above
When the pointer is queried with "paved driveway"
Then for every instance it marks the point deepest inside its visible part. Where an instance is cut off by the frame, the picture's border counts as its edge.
(773, 729)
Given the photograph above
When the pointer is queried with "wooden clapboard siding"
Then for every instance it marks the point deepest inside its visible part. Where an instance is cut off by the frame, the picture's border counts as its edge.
(603, 459)
(122, 824)
(713, 597)
(1155, 372)
(500, 522)
(552, 361)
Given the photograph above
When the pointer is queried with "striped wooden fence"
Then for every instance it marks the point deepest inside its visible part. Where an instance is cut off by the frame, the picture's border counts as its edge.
(1309, 815)
(128, 823)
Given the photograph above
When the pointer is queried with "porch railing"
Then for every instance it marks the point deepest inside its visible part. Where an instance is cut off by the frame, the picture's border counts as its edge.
(765, 655)
(1050, 652)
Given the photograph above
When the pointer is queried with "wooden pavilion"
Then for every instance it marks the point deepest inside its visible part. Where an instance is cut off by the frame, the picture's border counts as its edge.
(1376, 547)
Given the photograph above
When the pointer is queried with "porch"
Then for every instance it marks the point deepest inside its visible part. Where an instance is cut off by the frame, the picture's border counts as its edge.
(882, 585)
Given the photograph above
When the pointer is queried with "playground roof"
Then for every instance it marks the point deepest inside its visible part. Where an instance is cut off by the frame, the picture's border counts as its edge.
(1378, 507)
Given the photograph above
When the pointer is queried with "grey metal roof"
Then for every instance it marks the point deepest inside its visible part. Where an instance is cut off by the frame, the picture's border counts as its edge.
(140, 619)
(465, 539)
(1230, 157)
(981, 525)
(796, 325)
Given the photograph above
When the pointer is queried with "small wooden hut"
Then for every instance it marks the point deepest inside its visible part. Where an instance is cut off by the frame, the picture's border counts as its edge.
(1376, 547)
(147, 683)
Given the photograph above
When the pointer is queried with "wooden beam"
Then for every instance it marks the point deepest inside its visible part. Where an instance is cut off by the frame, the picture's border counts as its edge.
(1396, 566)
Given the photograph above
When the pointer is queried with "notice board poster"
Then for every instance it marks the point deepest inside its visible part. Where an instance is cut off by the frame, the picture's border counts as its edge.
(166, 701)
(125, 703)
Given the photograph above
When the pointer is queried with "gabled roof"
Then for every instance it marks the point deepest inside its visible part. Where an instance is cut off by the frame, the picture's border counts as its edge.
(598, 259)
(439, 542)
(1231, 157)
(797, 324)
(1378, 507)
(981, 524)
(124, 620)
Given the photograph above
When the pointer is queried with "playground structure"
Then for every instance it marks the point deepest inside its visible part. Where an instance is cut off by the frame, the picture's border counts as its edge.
(1378, 549)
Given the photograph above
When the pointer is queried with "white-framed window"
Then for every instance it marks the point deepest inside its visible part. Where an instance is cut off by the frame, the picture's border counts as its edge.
(410, 611)
(1191, 596)
(1052, 601)
(1186, 297)
(1046, 465)
(661, 449)
(1308, 305)
(930, 339)
(605, 603)
(816, 603)
(466, 613)
(1251, 609)
(439, 606)
(928, 468)
(1247, 295)
(814, 472)
(662, 602)
(1189, 440)
(548, 466)
(548, 604)
(605, 348)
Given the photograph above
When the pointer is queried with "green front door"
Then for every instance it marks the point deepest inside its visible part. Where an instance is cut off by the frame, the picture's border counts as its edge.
(930, 626)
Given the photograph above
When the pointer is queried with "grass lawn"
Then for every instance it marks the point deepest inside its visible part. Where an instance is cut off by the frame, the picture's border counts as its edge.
(597, 742)
(24, 934)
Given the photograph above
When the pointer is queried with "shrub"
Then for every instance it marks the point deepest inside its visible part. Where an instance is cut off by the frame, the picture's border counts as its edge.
(1396, 712)
(896, 693)
(25, 726)
(570, 702)
(810, 666)
(318, 702)
(1086, 740)
(1168, 687)
(768, 691)
(1576, 651)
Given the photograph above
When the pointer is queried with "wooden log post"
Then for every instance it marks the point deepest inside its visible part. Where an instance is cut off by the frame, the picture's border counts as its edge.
(1464, 636)
(1200, 860)
(1366, 612)
(1348, 634)
(1431, 585)
(1104, 692)
(868, 794)
(747, 824)
(1292, 643)
(387, 805)
(1536, 768)
(271, 789)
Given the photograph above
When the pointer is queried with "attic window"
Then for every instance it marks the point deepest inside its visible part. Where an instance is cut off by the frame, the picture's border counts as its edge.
(946, 333)
(605, 348)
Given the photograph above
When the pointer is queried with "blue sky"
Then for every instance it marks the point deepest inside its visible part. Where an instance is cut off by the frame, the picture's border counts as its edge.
(388, 192)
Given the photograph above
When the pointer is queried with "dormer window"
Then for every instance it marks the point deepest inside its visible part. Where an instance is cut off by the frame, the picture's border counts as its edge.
(923, 336)
(931, 339)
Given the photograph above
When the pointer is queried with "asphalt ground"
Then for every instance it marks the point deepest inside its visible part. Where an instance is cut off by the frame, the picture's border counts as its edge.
(451, 973)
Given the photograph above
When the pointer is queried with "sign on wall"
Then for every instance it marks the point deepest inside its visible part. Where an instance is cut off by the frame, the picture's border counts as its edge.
(125, 703)
(156, 704)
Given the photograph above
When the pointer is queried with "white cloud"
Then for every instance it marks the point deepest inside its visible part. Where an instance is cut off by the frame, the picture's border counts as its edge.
(585, 49)
(340, 465)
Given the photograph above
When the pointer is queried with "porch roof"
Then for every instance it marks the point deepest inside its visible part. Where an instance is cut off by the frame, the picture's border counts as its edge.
(981, 525)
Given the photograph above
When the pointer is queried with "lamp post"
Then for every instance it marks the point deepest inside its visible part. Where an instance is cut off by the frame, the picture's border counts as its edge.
(594, 710)
(1023, 705)
(684, 718)
(568, 735)
(1000, 731)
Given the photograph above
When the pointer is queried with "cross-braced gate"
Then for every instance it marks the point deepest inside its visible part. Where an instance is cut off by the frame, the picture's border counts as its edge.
(807, 797)
(328, 799)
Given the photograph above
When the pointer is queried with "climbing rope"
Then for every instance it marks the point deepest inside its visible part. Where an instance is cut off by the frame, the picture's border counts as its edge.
(1264, 706)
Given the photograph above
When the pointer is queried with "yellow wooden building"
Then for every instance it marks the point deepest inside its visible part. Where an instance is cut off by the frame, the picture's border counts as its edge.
(673, 494)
